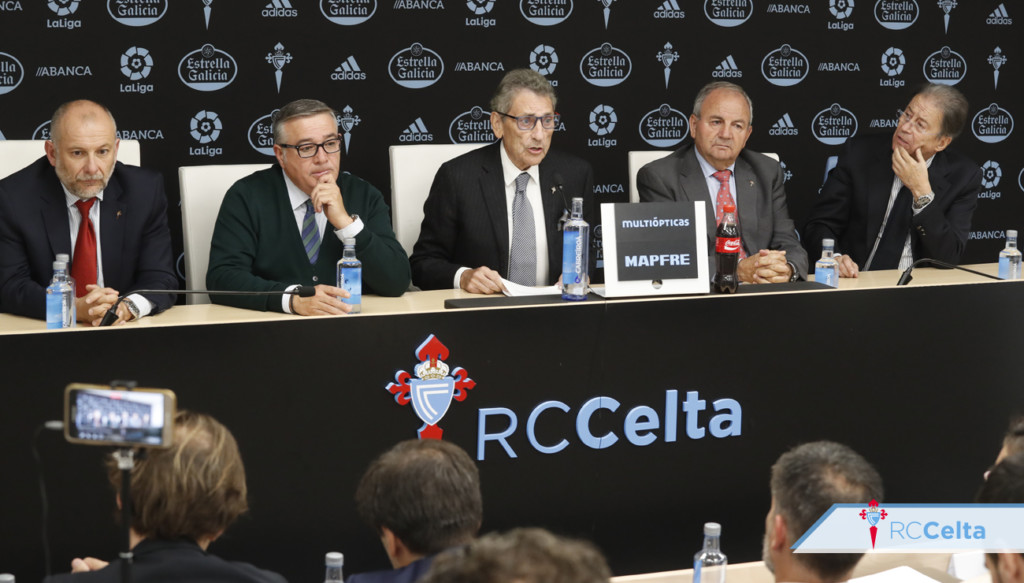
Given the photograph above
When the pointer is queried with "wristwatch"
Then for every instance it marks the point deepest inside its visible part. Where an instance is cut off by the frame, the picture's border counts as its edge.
(132, 308)
(923, 200)
(794, 276)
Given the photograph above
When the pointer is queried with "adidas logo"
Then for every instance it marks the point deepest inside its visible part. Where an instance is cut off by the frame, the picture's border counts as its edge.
(416, 132)
(727, 68)
(783, 127)
(999, 16)
(669, 9)
(279, 8)
(348, 70)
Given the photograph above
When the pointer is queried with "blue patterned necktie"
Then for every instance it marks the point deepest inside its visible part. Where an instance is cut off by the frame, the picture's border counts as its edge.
(522, 264)
(310, 234)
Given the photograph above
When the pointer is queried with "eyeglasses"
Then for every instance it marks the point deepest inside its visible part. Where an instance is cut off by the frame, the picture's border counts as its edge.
(528, 122)
(917, 123)
(331, 146)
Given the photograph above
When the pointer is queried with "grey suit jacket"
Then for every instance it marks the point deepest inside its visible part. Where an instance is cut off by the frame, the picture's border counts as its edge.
(760, 200)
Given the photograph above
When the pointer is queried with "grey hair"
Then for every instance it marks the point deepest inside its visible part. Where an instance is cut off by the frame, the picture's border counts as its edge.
(727, 86)
(952, 104)
(518, 80)
(58, 116)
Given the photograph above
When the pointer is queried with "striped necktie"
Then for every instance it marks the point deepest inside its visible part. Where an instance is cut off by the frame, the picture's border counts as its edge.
(522, 264)
(310, 234)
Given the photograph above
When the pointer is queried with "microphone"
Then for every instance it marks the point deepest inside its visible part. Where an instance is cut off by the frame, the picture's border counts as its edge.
(557, 177)
(303, 291)
(906, 277)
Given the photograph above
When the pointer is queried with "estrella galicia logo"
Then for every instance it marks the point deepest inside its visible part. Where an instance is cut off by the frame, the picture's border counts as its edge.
(896, 14)
(205, 127)
(785, 66)
(840, 8)
(545, 12)
(544, 59)
(348, 12)
(834, 125)
(261, 134)
(42, 132)
(991, 174)
(137, 12)
(664, 127)
(728, 13)
(347, 122)
(207, 69)
(480, 7)
(136, 63)
(433, 389)
(605, 66)
(416, 67)
(992, 124)
(471, 127)
(11, 73)
(945, 66)
(63, 7)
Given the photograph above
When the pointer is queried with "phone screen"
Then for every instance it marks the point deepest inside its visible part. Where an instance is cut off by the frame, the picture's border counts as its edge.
(104, 416)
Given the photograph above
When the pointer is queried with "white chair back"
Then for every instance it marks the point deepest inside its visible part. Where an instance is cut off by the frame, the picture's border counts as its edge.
(412, 172)
(17, 154)
(202, 190)
(638, 158)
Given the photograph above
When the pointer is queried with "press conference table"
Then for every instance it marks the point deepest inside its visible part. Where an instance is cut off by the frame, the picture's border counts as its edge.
(630, 422)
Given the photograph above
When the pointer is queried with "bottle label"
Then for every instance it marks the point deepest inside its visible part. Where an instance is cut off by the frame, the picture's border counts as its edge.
(697, 563)
(351, 280)
(54, 311)
(1004, 268)
(727, 244)
(826, 275)
(573, 270)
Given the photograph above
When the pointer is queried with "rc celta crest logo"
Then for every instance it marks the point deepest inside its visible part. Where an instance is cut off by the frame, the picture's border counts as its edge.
(433, 390)
(873, 514)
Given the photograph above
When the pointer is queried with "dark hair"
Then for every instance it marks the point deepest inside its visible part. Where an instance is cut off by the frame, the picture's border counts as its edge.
(1013, 441)
(427, 492)
(524, 555)
(951, 103)
(807, 480)
(294, 109)
(194, 489)
(1004, 485)
(518, 80)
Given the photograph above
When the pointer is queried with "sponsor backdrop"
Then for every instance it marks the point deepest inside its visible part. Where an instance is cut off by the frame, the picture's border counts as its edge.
(196, 80)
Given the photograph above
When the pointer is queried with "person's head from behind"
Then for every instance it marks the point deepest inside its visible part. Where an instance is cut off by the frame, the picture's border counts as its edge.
(193, 490)
(1013, 441)
(421, 497)
(523, 555)
(805, 482)
(1005, 485)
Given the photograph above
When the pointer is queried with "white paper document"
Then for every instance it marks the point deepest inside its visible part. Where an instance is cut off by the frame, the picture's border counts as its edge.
(513, 290)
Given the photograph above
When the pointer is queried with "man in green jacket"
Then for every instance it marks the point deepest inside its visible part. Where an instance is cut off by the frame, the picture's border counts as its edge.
(272, 230)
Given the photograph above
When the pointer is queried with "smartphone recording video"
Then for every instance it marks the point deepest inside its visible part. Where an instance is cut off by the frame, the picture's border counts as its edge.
(99, 415)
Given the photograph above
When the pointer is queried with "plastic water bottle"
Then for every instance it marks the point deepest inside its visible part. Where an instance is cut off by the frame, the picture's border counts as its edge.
(6, 578)
(67, 261)
(575, 254)
(709, 564)
(826, 269)
(60, 299)
(334, 562)
(350, 276)
(1009, 258)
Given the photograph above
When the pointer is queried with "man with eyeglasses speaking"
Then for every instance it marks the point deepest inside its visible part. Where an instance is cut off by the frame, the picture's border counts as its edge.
(891, 201)
(496, 212)
(283, 227)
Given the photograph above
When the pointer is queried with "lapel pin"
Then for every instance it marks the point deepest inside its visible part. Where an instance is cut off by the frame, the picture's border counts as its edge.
(751, 183)
(118, 216)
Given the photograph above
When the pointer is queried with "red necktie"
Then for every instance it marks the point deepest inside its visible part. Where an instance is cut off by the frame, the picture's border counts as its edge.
(83, 265)
(725, 197)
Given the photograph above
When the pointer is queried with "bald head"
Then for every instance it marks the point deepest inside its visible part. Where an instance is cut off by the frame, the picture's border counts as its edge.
(82, 111)
(82, 146)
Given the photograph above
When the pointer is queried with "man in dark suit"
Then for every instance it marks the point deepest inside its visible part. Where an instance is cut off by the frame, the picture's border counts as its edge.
(496, 212)
(182, 499)
(122, 245)
(717, 170)
(890, 201)
(420, 497)
(271, 233)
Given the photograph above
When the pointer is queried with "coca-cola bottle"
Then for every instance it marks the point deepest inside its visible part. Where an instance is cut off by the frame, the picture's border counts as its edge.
(727, 252)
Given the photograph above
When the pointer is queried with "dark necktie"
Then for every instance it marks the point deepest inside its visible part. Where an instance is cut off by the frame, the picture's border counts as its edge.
(894, 238)
(310, 234)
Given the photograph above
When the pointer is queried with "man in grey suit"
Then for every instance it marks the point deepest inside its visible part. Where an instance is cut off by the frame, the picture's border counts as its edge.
(715, 168)
(496, 212)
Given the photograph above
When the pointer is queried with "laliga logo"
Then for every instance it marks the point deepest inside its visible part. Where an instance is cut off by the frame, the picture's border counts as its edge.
(893, 61)
(11, 73)
(205, 127)
(207, 69)
(261, 135)
(785, 66)
(63, 7)
(605, 66)
(348, 12)
(896, 15)
(136, 63)
(545, 12)
(992, 124)
(664, 127)
(470, 127)
(873, 514)
(543, 59)
(137, 12)
(480, 6)
(991, 174)
(433, 391)
(840, 8)
(945, 66)
(416, 67)
(603, 120)
(834, 125)
(728, 13)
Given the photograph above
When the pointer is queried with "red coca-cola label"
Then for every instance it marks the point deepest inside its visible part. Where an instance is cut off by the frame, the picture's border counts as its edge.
(727, 244)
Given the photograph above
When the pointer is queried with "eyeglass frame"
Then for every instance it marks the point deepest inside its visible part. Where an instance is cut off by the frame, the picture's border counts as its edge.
(316, 150)
(912, 119)
(555, 118)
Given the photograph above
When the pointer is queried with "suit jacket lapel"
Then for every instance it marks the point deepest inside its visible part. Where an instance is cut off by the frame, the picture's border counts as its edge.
(880, 176)
(746, 204)
(554, 206)
(492, 187)
(113, 220)
(55, 217)
(695, 187)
